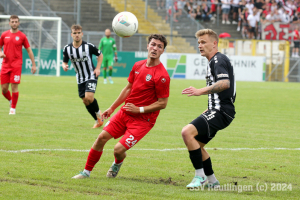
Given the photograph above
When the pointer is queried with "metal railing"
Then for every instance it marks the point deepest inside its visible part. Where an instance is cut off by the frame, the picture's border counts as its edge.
(13, 6)
(278, 71)
(294, 72)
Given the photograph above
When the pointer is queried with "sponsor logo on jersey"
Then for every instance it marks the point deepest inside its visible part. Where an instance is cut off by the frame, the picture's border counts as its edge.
(148, 77)
(222, 75)
(137, 72)
(79, 59)
(163, 80)
(7, 37)
(216, 60)
(17, 38)
(209, 115)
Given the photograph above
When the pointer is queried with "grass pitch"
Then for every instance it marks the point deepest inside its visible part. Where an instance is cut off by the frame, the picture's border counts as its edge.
(52, 120)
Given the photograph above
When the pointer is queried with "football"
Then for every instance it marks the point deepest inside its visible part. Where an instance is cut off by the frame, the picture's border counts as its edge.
(125, 24)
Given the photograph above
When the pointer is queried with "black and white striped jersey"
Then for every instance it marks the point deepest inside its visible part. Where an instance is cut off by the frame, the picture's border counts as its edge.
(81, 59)
(218, 68)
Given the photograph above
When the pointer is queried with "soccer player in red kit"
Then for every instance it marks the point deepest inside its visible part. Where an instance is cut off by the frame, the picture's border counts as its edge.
(145, 95)
(13, 40)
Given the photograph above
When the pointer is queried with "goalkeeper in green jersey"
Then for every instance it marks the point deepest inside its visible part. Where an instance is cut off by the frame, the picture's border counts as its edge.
(108, 48)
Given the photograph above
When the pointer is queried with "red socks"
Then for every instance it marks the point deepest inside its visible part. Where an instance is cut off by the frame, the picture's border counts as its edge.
(93, 158)
(118, 161)
(7, 95)
(14, 100)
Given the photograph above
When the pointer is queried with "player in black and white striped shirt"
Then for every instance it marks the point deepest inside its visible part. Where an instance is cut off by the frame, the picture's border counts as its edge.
(80, 54)
(221, 91)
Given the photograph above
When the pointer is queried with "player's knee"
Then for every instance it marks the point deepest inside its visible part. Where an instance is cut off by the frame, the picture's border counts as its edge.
(85, 101)
(118, 150)
(102, 139)
(4, 90)
(90, 99)
(185, 133)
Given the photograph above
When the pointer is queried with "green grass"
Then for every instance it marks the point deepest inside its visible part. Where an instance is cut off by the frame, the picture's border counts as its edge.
(51, 116)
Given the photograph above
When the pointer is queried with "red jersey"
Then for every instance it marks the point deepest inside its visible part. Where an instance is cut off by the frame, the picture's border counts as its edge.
(296, 35)
(148, 84)
(13, 43)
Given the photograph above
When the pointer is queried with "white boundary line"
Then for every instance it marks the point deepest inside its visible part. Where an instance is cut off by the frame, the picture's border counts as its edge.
(175, 149)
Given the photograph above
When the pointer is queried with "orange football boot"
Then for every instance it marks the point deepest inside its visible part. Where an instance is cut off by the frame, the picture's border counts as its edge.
(99, 122)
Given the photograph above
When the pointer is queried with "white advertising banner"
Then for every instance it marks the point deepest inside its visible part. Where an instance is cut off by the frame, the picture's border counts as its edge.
(248, 68)
(193, 66)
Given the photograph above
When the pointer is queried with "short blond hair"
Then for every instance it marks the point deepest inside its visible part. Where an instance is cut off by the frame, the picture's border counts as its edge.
(211, 33)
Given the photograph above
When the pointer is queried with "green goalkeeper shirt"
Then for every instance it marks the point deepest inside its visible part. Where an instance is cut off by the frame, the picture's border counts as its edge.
(108, 46)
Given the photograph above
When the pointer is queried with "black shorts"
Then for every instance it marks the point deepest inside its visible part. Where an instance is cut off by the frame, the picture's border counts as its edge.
(252, 29)
(235, 9)
(209, 123)
(296, 44)
(88, 86)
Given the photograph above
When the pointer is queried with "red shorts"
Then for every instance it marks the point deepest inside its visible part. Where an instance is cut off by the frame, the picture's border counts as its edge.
(133, 128)
(11, 75)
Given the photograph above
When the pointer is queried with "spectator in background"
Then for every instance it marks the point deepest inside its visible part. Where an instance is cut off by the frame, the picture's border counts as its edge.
(240, 12)
(235, 6)
(172, 11)
(225, 11)
(245, 28)
(290, 6)
(189, 7)
(263, 17)
(198, 13)
(180, 6)
(250, 6)
(168, 4)
(285, 17)
(214, 6)
(295, 53)
(268, 5)
(160, 4)
(260, 4)
(273, 17)
(206, 12)
(296, 17)
(253, 20)
(274, 6)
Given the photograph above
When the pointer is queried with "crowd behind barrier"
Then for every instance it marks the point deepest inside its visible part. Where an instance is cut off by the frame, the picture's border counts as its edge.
(247, 15)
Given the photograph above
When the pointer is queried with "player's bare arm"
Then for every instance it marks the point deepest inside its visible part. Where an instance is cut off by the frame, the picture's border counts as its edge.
(215, 88)
(99, 62)
(2, 55)
(122, 97)
(65, 66)
(31, 56)
(160, 104)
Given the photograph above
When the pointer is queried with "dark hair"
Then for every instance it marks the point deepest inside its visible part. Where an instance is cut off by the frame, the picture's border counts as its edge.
(76, 27)
(159, 37)
(14, 17)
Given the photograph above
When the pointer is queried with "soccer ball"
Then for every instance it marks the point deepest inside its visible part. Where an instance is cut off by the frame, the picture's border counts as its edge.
(125, 24)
